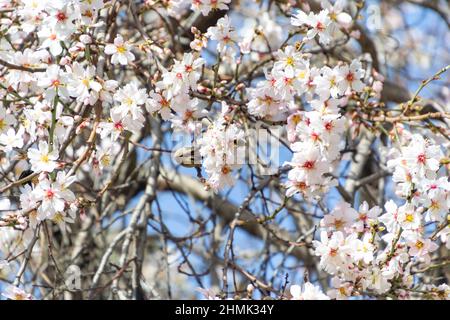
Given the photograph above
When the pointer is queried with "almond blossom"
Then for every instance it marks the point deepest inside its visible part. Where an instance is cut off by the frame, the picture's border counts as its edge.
(291, 143)
(42, 159)
(120, 51)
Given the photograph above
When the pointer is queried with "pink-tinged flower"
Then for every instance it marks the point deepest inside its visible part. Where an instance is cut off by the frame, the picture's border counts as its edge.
(340, 218)
(54, 81)
(223, 33)
(366, 216)
(307, 161)
(422, 157)
(157, 102)
(189, 69)
(51, 198)
(318, 24)
(15, 293)
(350, 77)
(421, 248)
(332, 251)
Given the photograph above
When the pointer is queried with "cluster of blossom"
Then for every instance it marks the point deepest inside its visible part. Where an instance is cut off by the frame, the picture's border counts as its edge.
(222, 147)
(13, 242)
(325, 23)
(318, 145)
(365, 252)
(226, 37)
(369, 253)
(318, 131)
(44, 124)
(56, 21)
(314, 135)
(171, 97)
(46, 79)
(416, 165)
(45, 200)
(52, 200)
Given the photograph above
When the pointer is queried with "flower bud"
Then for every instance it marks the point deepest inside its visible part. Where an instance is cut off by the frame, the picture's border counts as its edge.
(86, 39)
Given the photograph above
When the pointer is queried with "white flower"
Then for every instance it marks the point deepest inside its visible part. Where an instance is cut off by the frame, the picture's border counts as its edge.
(187, 114)
(15, 293)
(366, 216)
(118, 124)
(336, 14)
(307, 163)
(11, 139)
(288, 58)
(422, 157)
(332, 251)
(390, 218)
(158, 102)
(61, 127)
(266, 102)
(437, 202)
(27, 200)
(409, 217)
(131, 98)
(342, 289)
(421, 248)
(61, 15)
(88, 10)
(223, 33)
(63, 181)
(222, 149)
(108, 89)
(82, 84)
(6, 120)
(327, 84)
(54, 80)
(51, 197)
(41, 159)
(189, 69)
(341, 217)
(205, 6)
(287, 84)
(52, 39)
(120, 51)
(318, 25)
(362, 250)
(350, 77)
(378, 279)
(309, 292)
